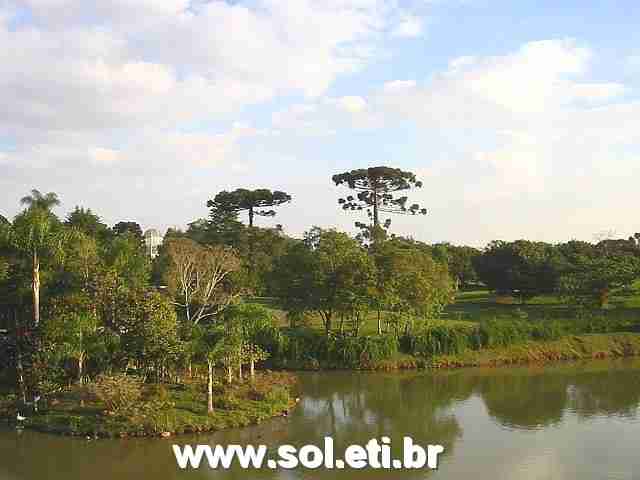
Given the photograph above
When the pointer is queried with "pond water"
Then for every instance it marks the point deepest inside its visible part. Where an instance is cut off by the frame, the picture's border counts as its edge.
(561, 422)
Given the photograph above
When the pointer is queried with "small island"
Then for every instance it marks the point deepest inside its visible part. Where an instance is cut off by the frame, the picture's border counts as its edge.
(122, 406)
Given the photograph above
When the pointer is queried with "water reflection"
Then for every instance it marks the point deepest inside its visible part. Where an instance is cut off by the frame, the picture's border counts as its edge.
(494, 423)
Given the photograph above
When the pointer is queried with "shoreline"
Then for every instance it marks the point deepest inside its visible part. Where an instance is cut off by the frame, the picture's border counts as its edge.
(253, 411)
(240, 405)
(570, 348)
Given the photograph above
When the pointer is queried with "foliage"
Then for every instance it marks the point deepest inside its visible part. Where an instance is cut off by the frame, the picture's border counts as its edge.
(521, 268)
(74, 335)
(39, 201)
(329, 274)
(376, 189)
(129, 228)
(589, 279)
(87, 222)
(200, 277)
(226, 204)
(150, 331)
(410, 283)
(459, 260)
(441, 338)
(120, 393)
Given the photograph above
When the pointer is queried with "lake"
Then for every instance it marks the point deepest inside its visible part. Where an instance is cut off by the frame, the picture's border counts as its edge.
(557, 422)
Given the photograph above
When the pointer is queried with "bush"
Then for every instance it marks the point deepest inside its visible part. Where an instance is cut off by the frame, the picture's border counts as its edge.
(360, 352)
(301, 346)
(119, 393)
(441, 338)
(277, 395)
(504, 332)
(226, 402)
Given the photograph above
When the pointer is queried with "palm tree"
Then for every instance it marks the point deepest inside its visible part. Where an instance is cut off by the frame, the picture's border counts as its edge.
(38, 200)
(34, 233)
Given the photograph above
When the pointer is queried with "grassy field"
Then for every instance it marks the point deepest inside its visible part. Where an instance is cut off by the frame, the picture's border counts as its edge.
(575, 347)
(475, 306)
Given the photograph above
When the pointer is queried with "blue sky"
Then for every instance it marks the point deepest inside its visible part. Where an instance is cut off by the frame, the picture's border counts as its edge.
(520, 117)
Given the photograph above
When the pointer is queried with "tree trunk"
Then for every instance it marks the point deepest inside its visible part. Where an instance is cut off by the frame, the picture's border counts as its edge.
(36, 289)
(229, 374)
(251, 246)
(379, 323)
(252, 371)
(240, 371)
(210, 387)
(80, 367)
(19, 367)
(250, 217)
(376, 219)
(326, 318)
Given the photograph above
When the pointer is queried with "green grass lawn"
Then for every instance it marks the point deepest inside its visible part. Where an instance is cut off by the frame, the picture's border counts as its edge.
(479, 305)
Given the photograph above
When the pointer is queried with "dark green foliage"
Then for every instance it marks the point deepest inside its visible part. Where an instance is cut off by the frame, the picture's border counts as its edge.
(588, 280)
(376, 192)
(306, 348)
(441, 338)
(88, 223)
(523, 269)
(459, 260)
(129, 227)
(226, 205)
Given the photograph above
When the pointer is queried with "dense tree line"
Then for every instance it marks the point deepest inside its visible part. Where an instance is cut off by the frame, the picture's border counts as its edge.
(80, 298)
(582, 272)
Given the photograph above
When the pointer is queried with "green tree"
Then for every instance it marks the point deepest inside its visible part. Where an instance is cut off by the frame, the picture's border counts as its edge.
(126, 258)
(83, 261)
(522, 268)
(377, 192)
(34, 234)
(226, 206)
(329, 274)
(150, 332)
(588, 280)
(74, 335)
(208, 344)
(129, 227)
(459, 260)
(200, 278)
(410, 283)
(258, 202)
(37, 200)
(87, 222)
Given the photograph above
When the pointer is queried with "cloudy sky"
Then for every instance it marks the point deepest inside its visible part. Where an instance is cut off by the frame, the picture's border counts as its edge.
(521, 118)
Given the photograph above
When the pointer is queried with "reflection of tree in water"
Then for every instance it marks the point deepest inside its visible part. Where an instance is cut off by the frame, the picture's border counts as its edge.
(353, 408)
(610, 392)
(535, 398)
(524, 399)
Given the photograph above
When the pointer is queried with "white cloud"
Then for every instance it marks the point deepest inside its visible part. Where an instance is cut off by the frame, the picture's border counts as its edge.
(100, 67)
(524, 136)
(103, 156)
(408, 27)
(352, 104)
(399, 85)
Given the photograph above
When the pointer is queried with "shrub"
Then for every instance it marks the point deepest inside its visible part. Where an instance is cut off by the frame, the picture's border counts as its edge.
(504, 332)
(360, 352)
(277, 395)
(441, 338)
(119, 393)
(226, 402)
